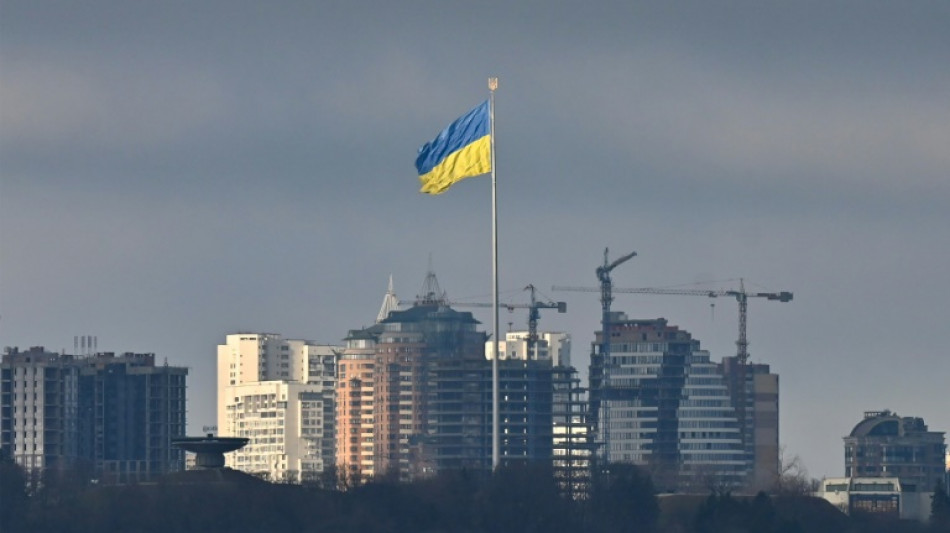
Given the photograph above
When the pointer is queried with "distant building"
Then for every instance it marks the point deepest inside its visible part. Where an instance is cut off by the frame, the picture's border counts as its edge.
(884, 496)
(410, 343)
(355, 448)
(754, 390)
(661, 403)
(884, 444)
(459, 433)
(114, 414)
(279, 394)
(572, 447)
(39, 408)
(892, 465)
(130, 411)
(554, 347)
(415, 395)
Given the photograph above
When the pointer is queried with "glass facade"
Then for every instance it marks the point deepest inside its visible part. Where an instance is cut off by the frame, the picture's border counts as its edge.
(660, 402)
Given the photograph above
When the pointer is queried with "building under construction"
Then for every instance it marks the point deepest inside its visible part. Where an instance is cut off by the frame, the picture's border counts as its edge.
(663, 404)
(657, 400)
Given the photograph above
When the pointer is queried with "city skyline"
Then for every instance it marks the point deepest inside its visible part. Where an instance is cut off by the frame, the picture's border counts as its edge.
(169, 176)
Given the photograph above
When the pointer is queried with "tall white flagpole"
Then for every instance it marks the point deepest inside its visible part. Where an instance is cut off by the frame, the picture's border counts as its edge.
(496, 426)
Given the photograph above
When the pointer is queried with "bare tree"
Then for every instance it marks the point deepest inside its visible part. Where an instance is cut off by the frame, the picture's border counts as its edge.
(793, 478)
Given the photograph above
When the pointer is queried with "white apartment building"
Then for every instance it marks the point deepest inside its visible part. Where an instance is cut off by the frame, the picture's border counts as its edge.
(39, 396)
(280, 394)
(551, 346)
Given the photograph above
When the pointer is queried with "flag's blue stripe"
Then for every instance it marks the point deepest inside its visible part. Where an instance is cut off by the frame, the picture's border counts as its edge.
(467, 129)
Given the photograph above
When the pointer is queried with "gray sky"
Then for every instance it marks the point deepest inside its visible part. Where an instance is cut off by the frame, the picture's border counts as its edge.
(175, 171)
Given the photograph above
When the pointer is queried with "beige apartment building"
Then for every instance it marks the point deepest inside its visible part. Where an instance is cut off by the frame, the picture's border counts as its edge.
(279, 394)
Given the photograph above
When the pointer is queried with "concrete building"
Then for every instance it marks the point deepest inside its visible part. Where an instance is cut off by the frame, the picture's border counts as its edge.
(572, 449)
(554, 347)
(116, 415)
(130, 411)
(884, 496)
(459, 433)
(283, 422)
(659, 402)
(355, 449)
(754, 390)
(279, 394)
(409, 344)
(884, 444)
(420, 380)
(39, 408)
(892, 465)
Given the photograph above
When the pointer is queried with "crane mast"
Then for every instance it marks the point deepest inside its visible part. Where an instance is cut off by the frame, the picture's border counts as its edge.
(741, 296)
(738, 386)
(601, 415)
(534, 313)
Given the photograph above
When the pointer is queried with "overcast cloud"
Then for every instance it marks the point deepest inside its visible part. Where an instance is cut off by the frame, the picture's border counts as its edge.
(176, 171)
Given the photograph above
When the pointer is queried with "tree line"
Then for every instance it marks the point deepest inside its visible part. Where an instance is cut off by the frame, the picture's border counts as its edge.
(517, 499)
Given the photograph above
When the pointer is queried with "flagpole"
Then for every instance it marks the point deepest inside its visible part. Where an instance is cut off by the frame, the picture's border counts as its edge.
(496, 436)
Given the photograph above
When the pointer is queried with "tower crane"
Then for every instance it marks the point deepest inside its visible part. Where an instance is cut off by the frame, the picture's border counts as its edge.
(741, 296)
(738, 385)
(534, 312)
(599, 378)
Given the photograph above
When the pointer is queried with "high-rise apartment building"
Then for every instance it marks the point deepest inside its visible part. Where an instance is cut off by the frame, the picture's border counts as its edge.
(130, 411)
(116, 414)
(355, 449)
(460, 413)
(755, 395)
(415, 395)
(280, 394)
(39, 408)
(409, 345)
(658, 401)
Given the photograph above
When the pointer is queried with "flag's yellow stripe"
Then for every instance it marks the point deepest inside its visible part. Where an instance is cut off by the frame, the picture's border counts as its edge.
(471, 160)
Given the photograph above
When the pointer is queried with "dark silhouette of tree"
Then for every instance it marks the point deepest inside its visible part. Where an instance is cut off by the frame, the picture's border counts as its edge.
(13, 496)
(793, 478)
(523, 498)
(940, 510)
(517, 498)
(622, 498)
(722, 513)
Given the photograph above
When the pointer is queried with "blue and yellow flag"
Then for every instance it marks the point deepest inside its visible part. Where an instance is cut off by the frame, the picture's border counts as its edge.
(461, 150)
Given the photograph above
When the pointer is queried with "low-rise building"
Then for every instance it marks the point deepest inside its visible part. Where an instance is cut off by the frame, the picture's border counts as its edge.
(878, 495)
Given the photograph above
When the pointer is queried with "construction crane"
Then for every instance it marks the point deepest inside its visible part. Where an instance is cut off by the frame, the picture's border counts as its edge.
(741, 296)
(534, 312)
(599, 381)
(738, 385)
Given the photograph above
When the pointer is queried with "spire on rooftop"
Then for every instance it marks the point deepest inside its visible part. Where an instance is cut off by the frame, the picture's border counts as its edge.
(390, 302)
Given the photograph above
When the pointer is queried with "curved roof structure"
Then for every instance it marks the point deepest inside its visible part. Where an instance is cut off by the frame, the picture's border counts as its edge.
(880, 424)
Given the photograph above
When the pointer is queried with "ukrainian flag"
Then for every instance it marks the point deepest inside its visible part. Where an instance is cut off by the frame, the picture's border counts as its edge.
(461, 150)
